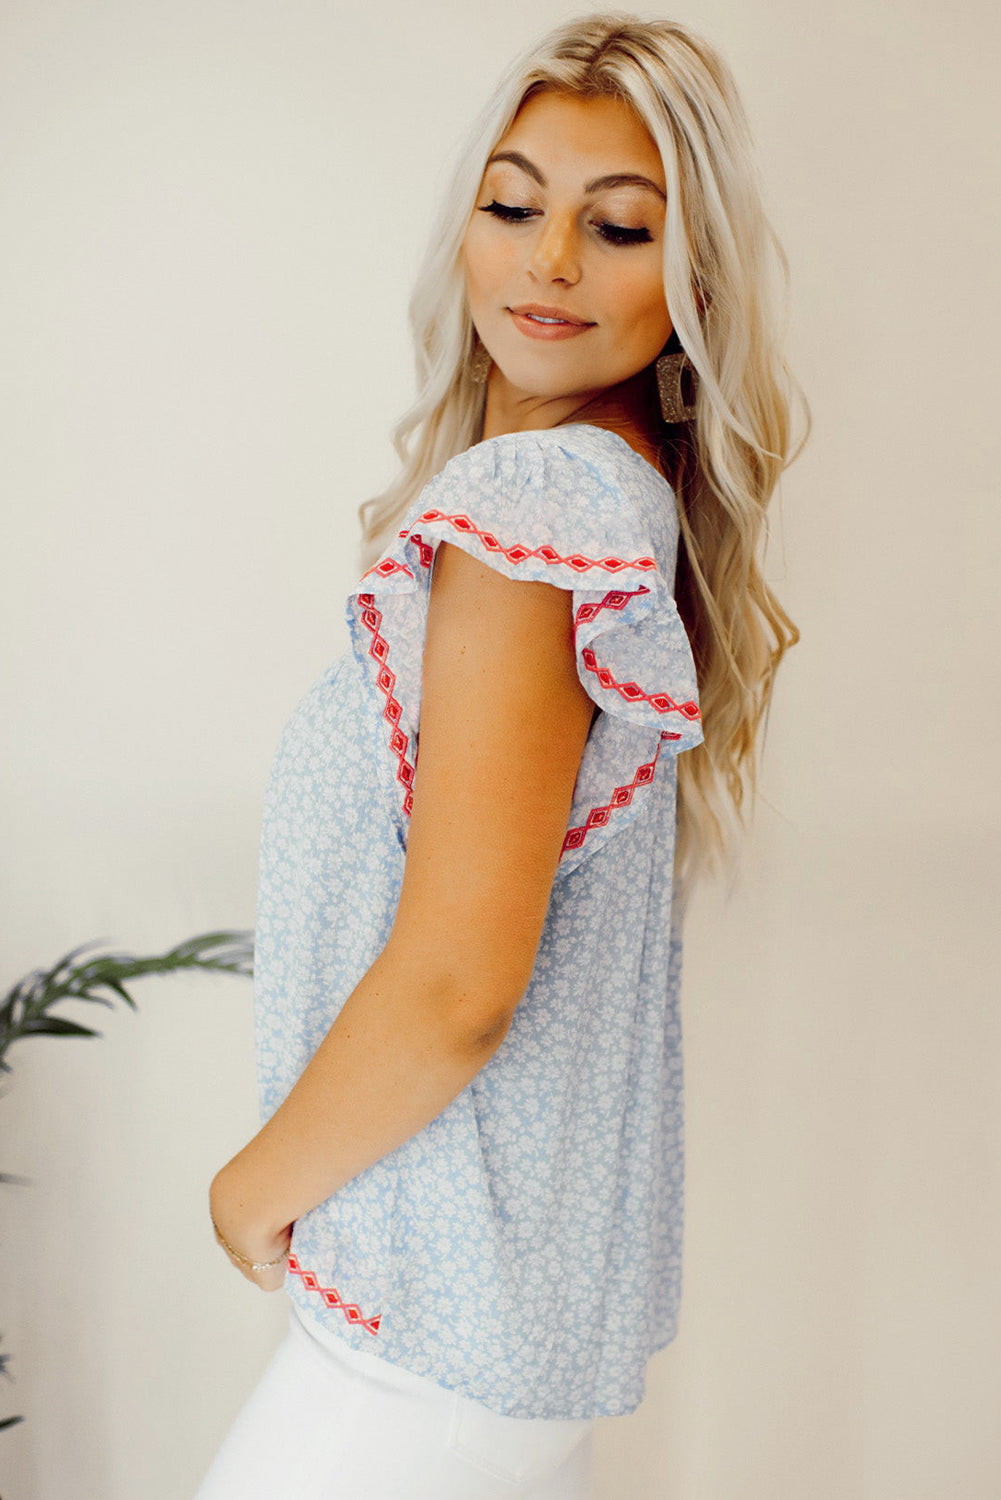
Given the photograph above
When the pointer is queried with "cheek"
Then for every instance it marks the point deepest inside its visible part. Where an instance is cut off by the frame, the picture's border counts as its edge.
(488, 259)
(638, 294)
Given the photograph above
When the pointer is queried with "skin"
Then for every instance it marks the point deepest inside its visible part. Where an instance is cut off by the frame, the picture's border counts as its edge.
(499, 669)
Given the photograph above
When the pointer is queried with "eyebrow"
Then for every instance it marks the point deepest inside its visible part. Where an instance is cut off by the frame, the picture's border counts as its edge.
(610, 180)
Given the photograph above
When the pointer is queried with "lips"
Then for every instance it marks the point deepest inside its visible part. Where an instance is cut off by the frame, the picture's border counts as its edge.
(535, 310)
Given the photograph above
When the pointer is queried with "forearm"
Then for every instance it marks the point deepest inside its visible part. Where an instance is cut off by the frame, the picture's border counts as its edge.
(398, 1053)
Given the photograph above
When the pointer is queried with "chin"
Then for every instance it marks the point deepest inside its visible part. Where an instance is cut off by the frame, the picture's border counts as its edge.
(546, 385)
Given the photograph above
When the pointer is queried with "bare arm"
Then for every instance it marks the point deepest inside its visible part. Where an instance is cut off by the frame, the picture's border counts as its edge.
(504, 721)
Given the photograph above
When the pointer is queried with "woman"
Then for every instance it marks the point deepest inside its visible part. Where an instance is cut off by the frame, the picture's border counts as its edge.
(469, 1179)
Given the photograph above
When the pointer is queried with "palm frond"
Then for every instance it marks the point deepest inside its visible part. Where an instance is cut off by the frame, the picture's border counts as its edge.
(25, 1010)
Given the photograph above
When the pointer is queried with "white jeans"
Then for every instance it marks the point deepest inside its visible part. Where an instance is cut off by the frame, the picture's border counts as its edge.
(327, 1422)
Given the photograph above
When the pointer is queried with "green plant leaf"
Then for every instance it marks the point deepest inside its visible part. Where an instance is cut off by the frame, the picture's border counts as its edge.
(119, 988)
(56, 1026)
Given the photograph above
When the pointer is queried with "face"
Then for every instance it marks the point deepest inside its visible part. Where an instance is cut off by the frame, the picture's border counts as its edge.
(563, 254)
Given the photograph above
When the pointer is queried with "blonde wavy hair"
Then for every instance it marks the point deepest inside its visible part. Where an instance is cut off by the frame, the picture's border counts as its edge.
(726, 282)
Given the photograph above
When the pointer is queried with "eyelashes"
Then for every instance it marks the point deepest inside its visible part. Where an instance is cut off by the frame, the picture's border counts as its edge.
(615, 234)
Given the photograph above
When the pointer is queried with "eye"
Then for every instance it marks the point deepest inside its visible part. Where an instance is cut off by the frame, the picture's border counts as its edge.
(618, 234)
(507, 212)
(615, 234)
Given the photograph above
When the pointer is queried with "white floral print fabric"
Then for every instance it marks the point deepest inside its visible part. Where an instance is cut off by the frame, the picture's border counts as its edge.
(524, 1248)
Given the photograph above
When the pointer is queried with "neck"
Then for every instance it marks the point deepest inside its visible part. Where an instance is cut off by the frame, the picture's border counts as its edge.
(630, 408)
(506, 410)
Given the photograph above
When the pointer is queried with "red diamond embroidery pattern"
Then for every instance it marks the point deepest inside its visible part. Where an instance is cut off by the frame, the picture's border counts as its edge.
(633, 693)
(386, 568)
(332, 1298)
(615, 599)
(386, 681)
(518, 552)
(621, 797)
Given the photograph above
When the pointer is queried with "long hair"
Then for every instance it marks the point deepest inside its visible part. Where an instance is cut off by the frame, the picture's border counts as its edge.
(726, 283)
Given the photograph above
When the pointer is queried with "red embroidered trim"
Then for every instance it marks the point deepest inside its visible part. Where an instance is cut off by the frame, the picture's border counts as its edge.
(621, 797)
(387, 566)
(332, 1298)
(616, 599)
(386, 681)
(633, 693)
(517, 552)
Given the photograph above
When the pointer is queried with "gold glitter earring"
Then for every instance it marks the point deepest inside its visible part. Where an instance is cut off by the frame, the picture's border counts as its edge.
(670, 368)
(479, 364)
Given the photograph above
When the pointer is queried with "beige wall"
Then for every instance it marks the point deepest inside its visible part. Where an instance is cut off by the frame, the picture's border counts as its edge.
(210, 232)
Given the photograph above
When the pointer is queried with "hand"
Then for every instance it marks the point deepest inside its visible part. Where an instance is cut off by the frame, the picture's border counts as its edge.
(252, 1239)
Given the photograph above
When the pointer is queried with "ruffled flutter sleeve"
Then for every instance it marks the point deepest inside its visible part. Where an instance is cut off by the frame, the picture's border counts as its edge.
(535, 506)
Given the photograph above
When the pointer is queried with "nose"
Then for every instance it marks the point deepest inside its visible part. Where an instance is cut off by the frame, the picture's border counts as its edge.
(555, 254)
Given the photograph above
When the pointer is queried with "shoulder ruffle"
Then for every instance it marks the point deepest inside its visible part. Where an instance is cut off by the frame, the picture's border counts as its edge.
(574, 507)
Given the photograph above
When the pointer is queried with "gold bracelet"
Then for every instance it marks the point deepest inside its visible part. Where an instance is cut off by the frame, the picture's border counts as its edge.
(255, 1265)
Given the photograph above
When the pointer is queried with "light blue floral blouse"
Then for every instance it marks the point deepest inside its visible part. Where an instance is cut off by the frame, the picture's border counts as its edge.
(524, 1248)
